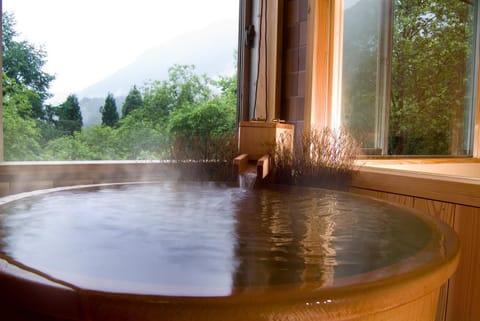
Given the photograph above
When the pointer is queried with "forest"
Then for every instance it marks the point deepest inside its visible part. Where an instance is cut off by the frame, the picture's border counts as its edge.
(417, 78)
(187, 116)
(419, 74)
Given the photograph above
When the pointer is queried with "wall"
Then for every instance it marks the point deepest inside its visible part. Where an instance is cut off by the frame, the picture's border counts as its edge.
(29, 176)
(295, 57)
(456, 201)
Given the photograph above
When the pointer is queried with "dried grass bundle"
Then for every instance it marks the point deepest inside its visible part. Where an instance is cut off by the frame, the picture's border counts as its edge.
(324, 158)
(206, 159)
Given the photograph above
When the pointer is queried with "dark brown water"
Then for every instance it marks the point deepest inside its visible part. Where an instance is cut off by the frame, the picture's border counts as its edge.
(204, 239)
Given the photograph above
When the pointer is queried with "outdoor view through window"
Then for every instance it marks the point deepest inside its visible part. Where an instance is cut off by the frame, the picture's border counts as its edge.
(145, 79)
(118, 79)
(408, 75)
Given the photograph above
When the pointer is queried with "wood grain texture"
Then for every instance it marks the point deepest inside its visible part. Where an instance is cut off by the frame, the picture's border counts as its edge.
(397, 199)
(446, 213)
(257, 139)
(28, 176)
(476, 131)
(464, 293)
(317, 112)
(458, 300)
(462, 191)
(442, 210)
(269, 80)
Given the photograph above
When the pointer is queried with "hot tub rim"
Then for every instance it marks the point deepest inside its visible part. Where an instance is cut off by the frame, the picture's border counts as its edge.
(324, 298)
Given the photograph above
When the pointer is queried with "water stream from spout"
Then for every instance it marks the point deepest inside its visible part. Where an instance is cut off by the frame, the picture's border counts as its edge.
(246, 180)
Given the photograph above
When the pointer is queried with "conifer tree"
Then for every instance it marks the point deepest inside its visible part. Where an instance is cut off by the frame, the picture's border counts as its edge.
(70, 116)
(109, 112)
(133, 101)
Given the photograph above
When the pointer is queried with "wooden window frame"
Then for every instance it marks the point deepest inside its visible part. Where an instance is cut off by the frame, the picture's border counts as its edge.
(324, 52)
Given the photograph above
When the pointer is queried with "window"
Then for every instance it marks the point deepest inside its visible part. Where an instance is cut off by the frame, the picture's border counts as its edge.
(408, 76)
(123, 84)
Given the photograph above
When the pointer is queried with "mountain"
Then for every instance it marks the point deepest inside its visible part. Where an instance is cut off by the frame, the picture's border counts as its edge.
(210, 49)
(90, 108)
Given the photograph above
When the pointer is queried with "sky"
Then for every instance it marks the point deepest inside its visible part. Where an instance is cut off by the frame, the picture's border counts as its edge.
(349, 3)
(88, 40)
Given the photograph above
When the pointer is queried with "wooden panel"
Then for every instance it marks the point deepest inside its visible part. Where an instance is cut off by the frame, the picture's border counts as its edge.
(397, 199)
(441, 314)
(62, 183)
(259, 138)
(476, 138)
(419, 310)
(4, 188)
(318, 47)
(464, 292)
(441, 210)
(444, 211)
(402, 200)
(269, 79)
(452, 169)
(20, 187)
(435, 187)
(364, 192)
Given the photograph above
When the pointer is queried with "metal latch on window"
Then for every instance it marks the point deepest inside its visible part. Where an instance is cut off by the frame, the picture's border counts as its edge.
(249, 36)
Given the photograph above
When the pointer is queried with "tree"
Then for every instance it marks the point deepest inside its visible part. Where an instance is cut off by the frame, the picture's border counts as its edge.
(20, 132)
(195, 130)
(183, 88)
(67, 148)
(432, 50)
(133, 101)
(69, 116)
(109, 112)
(140, 138)
(101, 141)
(23, 62)
(429, 61)
(360, 69)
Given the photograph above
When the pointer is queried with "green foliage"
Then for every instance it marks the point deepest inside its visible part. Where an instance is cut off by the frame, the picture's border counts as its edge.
(187, 112)
(193, 128)
(432, 51)
(68, 148)
(183, 88)
(359, 78)
(69, 116)
(23, 62)
(101, 141)
(133, 101)
(109, 112)
(424, 67)
(181, 118)
(20, 133)
(140, 139)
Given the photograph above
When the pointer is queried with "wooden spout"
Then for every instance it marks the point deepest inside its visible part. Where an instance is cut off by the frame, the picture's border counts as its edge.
(263, 166)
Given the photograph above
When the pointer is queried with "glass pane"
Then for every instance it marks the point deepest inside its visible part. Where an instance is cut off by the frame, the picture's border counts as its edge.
(361, 69)
(432, 73)
(409, 72)
(121, 80)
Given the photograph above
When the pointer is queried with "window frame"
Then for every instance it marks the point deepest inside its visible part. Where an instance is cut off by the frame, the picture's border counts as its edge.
(325, 35)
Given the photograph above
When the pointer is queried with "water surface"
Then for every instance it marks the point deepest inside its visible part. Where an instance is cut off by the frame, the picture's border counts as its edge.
(204, 239)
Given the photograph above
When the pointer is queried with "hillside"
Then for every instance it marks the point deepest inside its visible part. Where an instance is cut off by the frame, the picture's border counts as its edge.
(210, 49)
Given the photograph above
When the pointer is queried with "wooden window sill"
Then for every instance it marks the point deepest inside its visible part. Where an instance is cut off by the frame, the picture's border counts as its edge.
(447, 180)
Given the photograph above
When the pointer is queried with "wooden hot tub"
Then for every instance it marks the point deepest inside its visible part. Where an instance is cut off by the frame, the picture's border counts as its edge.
(213, 251)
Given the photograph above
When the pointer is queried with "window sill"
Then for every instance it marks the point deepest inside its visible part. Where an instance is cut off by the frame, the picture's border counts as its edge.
(444, 179)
